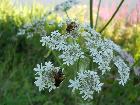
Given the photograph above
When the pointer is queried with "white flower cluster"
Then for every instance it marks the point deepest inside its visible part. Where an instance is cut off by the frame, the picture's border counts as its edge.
(123, 70)
(77, 41)
(100, 50)
(87, 82)
(71, 54)
(55, 41)
(45, 77)
(66, 5)
(70, 50)
(33, 28)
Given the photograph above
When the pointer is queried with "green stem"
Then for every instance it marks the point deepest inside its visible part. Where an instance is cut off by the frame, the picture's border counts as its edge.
(91, 13)
(29, 99)
(49, 52)
(112, 17)
(91, 64)
(47, 14)
(67, 14)
(99, 99)
(78, 64)
(57, 59)
(98, 14)
(91, 25)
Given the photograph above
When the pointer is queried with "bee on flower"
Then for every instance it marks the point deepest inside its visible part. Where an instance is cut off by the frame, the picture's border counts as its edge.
(48, 76)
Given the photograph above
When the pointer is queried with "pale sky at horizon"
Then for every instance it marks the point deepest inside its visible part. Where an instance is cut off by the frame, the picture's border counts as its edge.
(131, 3)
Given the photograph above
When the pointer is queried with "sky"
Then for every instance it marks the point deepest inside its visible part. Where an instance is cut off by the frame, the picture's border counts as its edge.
(131, 3)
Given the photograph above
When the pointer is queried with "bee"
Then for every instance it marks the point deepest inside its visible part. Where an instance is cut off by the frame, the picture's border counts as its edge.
(59, 77)
(71, 26)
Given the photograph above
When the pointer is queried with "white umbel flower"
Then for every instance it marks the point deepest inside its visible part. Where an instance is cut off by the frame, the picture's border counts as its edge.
(123, 70)
(55, 41)
(66, 5)
(36, 27)
(45, 77)
(71, 54)
(87, 82)
(101, 50)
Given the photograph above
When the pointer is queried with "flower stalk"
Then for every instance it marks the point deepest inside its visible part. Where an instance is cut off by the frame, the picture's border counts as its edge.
(57, 59)
(67, 14)
(112, 17)
(91, 13)
(97, 17)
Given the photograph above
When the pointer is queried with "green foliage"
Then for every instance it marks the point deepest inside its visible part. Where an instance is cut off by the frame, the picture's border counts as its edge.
(18, 57)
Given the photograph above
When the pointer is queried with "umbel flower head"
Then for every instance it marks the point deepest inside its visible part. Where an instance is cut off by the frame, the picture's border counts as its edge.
(71, 54)
(47, 76)
(103, 52)
(87, 82)
(123, 70)
(66, 5)
(55, 41)
(37, 26)
(78, 42)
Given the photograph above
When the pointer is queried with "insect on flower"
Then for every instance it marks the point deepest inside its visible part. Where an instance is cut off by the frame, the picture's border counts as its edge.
(71, 26)
(59, 77)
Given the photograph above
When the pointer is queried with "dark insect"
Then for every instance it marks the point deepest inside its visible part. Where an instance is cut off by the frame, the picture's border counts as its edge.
(71, 27)
(59, 77)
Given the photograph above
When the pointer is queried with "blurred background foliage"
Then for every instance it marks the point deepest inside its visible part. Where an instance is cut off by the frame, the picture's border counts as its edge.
(19, 55)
